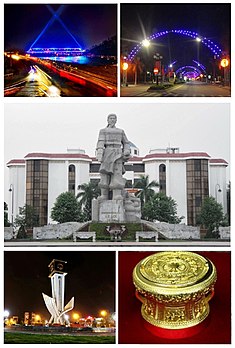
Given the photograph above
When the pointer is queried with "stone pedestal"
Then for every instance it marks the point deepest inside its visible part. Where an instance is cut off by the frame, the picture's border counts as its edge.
(123, 210)
(111, 211)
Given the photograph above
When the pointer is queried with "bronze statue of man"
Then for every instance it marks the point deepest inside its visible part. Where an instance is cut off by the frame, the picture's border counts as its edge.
(113, 149)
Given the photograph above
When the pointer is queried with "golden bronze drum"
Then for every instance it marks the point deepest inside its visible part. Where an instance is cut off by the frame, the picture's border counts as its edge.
(175, 288)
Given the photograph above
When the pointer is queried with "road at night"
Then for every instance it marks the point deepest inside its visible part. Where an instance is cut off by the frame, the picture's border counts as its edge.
(62, 81)
(190, 89)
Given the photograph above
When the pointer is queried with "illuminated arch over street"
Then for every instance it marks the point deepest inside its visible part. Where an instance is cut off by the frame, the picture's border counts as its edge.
(214, 48)
(189, 69)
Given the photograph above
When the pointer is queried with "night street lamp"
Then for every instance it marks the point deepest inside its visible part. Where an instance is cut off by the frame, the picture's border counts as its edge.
(76, 317)
(198, 39)
(103, 313)
(11, 190)
(124, 73)
(217, 189)
(158, 66)
(146, 43)
(37, 318)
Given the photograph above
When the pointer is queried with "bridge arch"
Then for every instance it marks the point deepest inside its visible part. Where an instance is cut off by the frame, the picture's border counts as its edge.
(214, 48)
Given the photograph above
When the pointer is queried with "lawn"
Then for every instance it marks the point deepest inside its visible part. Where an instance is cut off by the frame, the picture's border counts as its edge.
(24, 338)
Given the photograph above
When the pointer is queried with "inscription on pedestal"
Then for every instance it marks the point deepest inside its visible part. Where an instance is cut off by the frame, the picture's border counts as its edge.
(111, 211)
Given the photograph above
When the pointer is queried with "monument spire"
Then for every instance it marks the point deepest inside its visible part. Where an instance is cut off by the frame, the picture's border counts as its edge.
(55, 304)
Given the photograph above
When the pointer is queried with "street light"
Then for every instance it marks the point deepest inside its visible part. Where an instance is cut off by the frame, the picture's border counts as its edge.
(198, 39)
(124, 69)
(217, 189)
(146, 43)
(37, 318)
(76, 317)
(11, 189)
(103, 313)
(158, 66)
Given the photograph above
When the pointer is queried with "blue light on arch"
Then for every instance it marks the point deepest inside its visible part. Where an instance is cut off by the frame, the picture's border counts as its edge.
(214, 48)
(187, 67)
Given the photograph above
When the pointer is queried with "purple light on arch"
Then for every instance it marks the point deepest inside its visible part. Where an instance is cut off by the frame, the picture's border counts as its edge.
(200, 65)
(208, 43)
(188, 69)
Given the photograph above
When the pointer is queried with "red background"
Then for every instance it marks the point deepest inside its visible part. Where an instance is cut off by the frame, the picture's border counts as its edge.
(215, 329)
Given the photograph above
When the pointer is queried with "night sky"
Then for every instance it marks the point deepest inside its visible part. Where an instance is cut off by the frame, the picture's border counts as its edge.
(90, 279)
(209, 20)
(90, 24)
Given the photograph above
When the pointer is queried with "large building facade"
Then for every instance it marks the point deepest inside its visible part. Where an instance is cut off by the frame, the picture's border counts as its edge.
(39, 178)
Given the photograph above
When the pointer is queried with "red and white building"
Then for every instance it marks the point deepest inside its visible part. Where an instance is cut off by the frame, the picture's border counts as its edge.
(39, 178)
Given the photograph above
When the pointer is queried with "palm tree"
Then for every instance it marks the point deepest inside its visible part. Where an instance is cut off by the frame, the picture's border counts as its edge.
(88, 192)
(146, 188)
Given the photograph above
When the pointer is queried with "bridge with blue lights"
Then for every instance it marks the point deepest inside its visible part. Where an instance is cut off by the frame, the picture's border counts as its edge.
(77, 50)
(51, 52)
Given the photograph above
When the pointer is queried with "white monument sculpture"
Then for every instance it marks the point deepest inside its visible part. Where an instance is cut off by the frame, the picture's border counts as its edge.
(55, 304)
(115, 203)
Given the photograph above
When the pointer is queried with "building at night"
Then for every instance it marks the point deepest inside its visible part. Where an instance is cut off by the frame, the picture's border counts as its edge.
(39, 178)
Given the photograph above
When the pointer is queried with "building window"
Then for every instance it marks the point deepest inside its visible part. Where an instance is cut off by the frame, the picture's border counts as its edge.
(128, 167)
(198, 201)
(71, 178)
(95, 181)
(128, 184)
(136, 181)
(162, 178)
(197, 187)
(37, 188)
(197, 165)
(138, 168)
(94, 168)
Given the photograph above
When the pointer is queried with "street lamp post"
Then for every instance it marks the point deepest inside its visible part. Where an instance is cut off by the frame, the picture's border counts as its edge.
(124, 71)
(11, 190)
(158, 66)
(198, 39)
(217, 189)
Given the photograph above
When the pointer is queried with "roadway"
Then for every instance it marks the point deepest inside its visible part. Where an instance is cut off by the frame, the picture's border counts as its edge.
(43, 83)
(37, 84)
(46, 80)
(188, 89)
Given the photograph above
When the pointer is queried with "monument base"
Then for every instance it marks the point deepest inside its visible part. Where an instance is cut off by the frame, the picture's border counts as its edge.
(111, 211)
(125, 210)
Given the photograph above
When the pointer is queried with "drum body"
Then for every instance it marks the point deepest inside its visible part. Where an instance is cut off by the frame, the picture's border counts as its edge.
(175, 288)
